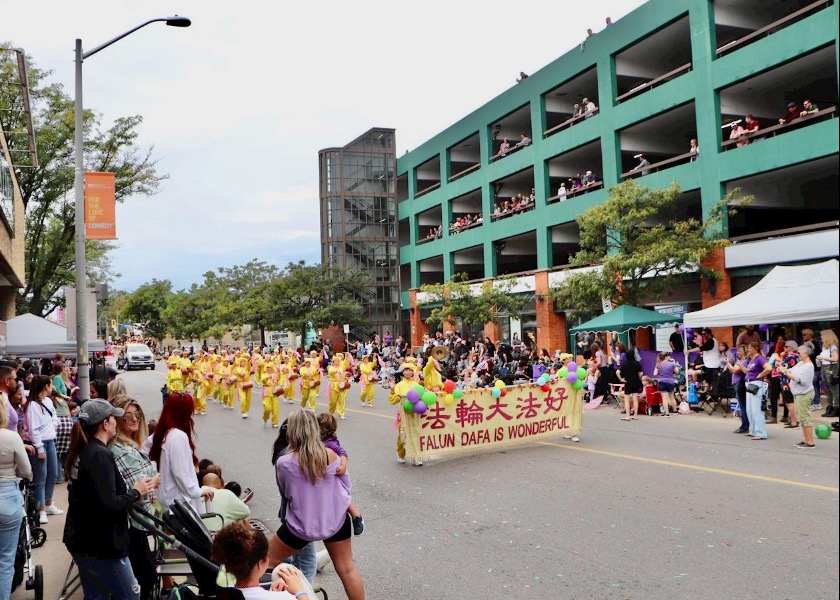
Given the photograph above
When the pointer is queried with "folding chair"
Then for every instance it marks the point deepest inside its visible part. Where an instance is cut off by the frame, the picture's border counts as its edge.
(720, 395)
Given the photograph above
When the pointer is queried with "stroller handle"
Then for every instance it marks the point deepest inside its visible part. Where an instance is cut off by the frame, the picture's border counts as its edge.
(155, 525)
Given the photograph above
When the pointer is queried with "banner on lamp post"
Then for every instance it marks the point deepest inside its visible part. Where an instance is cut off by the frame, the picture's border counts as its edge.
(100, 206)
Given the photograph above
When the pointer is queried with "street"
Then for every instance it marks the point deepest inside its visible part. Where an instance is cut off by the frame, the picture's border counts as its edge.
(649, 509)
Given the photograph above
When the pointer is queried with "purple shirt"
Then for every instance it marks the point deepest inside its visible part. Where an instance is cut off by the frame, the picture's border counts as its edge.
(314, 511)
(755, 366)
(13, 417)
(738, 376)
(666, 371)
(334, 445)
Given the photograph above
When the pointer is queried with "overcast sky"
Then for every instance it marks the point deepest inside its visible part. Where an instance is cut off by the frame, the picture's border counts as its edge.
(238, 105)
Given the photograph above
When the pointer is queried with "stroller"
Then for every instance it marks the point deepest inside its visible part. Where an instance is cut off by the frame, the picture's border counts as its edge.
(32, 535)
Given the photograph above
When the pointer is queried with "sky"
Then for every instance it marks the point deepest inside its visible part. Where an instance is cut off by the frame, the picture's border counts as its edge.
(238, 105)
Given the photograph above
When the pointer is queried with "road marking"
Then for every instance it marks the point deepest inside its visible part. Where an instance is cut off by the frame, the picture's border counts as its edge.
(668, 463)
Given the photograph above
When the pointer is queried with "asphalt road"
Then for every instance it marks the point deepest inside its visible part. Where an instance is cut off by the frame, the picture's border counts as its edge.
(650, 509)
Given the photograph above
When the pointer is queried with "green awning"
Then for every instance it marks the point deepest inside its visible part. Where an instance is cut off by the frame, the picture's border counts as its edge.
(623, 319)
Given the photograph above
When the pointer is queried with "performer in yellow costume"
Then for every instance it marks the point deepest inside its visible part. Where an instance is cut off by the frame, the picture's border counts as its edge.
(257, 366)
(216, 367)
(228, 380)
(272, 389)
(366, 370)
(174, 378)
(432, 379)
(242, 372)
(399, 391)
(339, 383)
(310, 381)
(290, 362)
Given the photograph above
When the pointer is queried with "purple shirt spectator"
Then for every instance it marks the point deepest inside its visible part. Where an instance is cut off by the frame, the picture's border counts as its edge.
(666, 371)
(314, 511)
(738, 376)
(333, 444)
(754, 367)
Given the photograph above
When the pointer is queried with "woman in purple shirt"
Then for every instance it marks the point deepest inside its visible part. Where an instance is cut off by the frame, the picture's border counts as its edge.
(738, 368)
(756, 373)
(317, 499)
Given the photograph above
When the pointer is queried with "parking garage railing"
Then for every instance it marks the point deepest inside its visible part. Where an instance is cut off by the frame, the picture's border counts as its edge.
(570, 122)
(589, 187)
(826, 113)
(654, 82)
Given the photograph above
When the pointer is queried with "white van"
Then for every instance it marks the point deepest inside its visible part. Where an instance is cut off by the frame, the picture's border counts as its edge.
(139, 356)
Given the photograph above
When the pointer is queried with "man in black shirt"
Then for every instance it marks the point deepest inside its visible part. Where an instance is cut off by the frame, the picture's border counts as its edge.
(676, 341)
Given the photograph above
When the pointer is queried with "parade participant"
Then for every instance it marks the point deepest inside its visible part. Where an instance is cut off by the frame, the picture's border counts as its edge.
(271, 390)
(367, 380)
(203, 376)
(432, 379)
(242, 372)
(174, 378)
(310, 381)
(257, 365)
(339, 383)
(186, 367)
(228, 383)
(215, 369)
(409, 370)
(286, 368)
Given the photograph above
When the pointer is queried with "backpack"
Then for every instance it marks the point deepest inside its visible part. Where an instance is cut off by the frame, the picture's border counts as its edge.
(693, 397)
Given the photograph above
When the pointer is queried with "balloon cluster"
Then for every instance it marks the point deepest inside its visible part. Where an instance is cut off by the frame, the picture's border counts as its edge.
(419, 399)
(764, 327)
(575, 376)
(498, 390)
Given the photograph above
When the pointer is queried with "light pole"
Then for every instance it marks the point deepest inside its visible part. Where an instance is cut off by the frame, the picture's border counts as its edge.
(81, 260)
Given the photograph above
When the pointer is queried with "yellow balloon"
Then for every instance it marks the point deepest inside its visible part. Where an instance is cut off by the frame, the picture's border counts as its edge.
(448, 400)
(500, 384)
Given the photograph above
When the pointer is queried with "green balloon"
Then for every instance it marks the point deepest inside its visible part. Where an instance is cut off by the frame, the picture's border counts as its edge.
(428, 397)
(578, 385)
(420, 389)
(407, 405)
(581, 372)
(457, 394)
(564, 371)
(823, 430)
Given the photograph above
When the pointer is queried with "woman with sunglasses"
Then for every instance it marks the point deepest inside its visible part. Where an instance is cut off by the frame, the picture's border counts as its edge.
(134, 466)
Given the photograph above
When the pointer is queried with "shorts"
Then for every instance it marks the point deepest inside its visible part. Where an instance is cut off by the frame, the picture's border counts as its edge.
(803, 408)
(632, 389)
(297, 543)
(666, 387)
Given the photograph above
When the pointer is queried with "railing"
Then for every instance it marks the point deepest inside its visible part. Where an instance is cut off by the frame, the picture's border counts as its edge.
(513, 212)
(688, 156)
(570, 122)
(781, 127)
(515, 148)
(466, 171)
(429, 238)
(589, 187)
(785, 232)
(432, 187)
(654, 82)
(453, 229)
(769, 29)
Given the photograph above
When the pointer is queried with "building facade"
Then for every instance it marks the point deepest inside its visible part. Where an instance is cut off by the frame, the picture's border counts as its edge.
(669, 74)
(358, 221)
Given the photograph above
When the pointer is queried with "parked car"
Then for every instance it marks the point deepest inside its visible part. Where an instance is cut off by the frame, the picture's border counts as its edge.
(139, 356)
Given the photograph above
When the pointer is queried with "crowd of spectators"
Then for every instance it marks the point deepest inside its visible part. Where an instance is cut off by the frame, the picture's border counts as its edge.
(577, 183)
(516, 204)
(465, 222)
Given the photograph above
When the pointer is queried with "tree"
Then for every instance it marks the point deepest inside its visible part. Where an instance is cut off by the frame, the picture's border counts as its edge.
(320, 295)
(245, 294)
(48, 190)
(478, 303)
(148, 305)
(643, 245)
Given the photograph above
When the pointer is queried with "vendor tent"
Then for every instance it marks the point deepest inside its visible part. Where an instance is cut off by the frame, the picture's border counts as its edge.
(30, 336)
(623, 319)
(784, 295)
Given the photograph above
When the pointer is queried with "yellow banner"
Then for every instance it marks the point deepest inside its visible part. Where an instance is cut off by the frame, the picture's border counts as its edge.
(478, 421)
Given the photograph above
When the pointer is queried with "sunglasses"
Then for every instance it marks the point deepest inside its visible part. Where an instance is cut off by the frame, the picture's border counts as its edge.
(133, 416)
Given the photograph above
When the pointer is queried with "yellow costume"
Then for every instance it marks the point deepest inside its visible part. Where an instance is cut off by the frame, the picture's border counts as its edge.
(228, 384)
(242, 372)
(398, 394)
(216, 366)
(339, 383)
(432, 379)
(204, 383)
(271, 394)
(174, 379)
(310, 378)
(366, 371)
(289, 392)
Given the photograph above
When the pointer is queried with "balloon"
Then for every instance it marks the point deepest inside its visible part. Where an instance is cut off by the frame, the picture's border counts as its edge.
(448, 386)
(448, 400)
(500, 384)
(572, 377)
(412, 396)
(581, 373)
(495, 392)
(764, 327)
(542, 379)
(503, 392)
(407, 405)
(457, 394)
(420, 408)
(689, 332)
(428, 398)
(420, 389)
(545, 387)
(680, 328)
(577, 385)
(564, 370)
(823, 430)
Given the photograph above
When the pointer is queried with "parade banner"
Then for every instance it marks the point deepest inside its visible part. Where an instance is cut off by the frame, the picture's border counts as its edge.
(479, 421)
(100, 206)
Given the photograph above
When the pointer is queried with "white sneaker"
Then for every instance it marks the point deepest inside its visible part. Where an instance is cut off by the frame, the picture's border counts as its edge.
(401, 460)
(52, 509)
(575, 438)
(244, 415)
(203, 412)
(418, 463)
(43, 518)
(322, 559)
(343, 418)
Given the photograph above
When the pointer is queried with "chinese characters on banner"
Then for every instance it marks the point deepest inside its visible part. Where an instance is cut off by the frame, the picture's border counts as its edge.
(478, 421)
(100, 206)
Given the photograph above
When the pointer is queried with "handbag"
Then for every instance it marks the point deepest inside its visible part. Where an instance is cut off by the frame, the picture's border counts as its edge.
(753, 388)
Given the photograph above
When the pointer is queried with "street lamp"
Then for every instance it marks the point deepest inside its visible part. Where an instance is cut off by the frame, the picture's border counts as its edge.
(81, 260)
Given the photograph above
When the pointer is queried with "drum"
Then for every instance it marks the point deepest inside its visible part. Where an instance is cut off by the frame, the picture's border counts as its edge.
(278, 391)
(247, 385)
(344, 385)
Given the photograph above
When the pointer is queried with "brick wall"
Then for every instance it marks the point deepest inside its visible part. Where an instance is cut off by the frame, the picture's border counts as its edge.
(717, 292)
(552, 332)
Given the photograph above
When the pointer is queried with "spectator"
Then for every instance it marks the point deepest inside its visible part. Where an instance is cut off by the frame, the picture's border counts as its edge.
(588, 178)
(693, 150)
(828, 360)
(665, 373)
(503, 149)
(808, 108)
(630, 374)
(791, 113)
(14, 465)
(609, 22)
(577, 111)
(751, 124)
(328, 427)
(813, 344)
(589, 108)
(643, 164)
(737, 132)
(116, 390)
(589, 34)
(98, 389)
(748, 336)
(738, 368)
(522, 76)
(524, 140)
(39, 431)
(676, 340)
(561, 193)
(801, 378)
(757, 371)
(225, 503)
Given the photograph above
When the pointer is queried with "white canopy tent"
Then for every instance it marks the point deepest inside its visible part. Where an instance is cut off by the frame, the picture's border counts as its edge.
(784, 295)
(31, 336)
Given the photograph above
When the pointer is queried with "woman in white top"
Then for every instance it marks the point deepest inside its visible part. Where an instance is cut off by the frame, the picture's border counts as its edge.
(40, 420)
(173, 449)
(14, 465)
(828, 359)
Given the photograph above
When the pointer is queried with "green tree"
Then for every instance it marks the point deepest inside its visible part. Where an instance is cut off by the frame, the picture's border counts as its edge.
(148, 305)
(245, 289)
(645, 246)
(48, 190)
(477, 303)
(319, 294)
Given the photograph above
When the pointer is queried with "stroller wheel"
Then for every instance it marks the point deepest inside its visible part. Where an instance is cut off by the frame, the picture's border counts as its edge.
(39, 537)
(38, 585)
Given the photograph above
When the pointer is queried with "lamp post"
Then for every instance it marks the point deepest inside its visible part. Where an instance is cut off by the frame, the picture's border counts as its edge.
(81, 260)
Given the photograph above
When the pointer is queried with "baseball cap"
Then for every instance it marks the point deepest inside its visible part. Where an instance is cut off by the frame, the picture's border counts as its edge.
(95, 411)
(791, 104)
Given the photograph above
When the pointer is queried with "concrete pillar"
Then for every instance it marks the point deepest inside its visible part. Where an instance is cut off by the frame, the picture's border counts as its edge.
(552, 331)
(715, 292)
